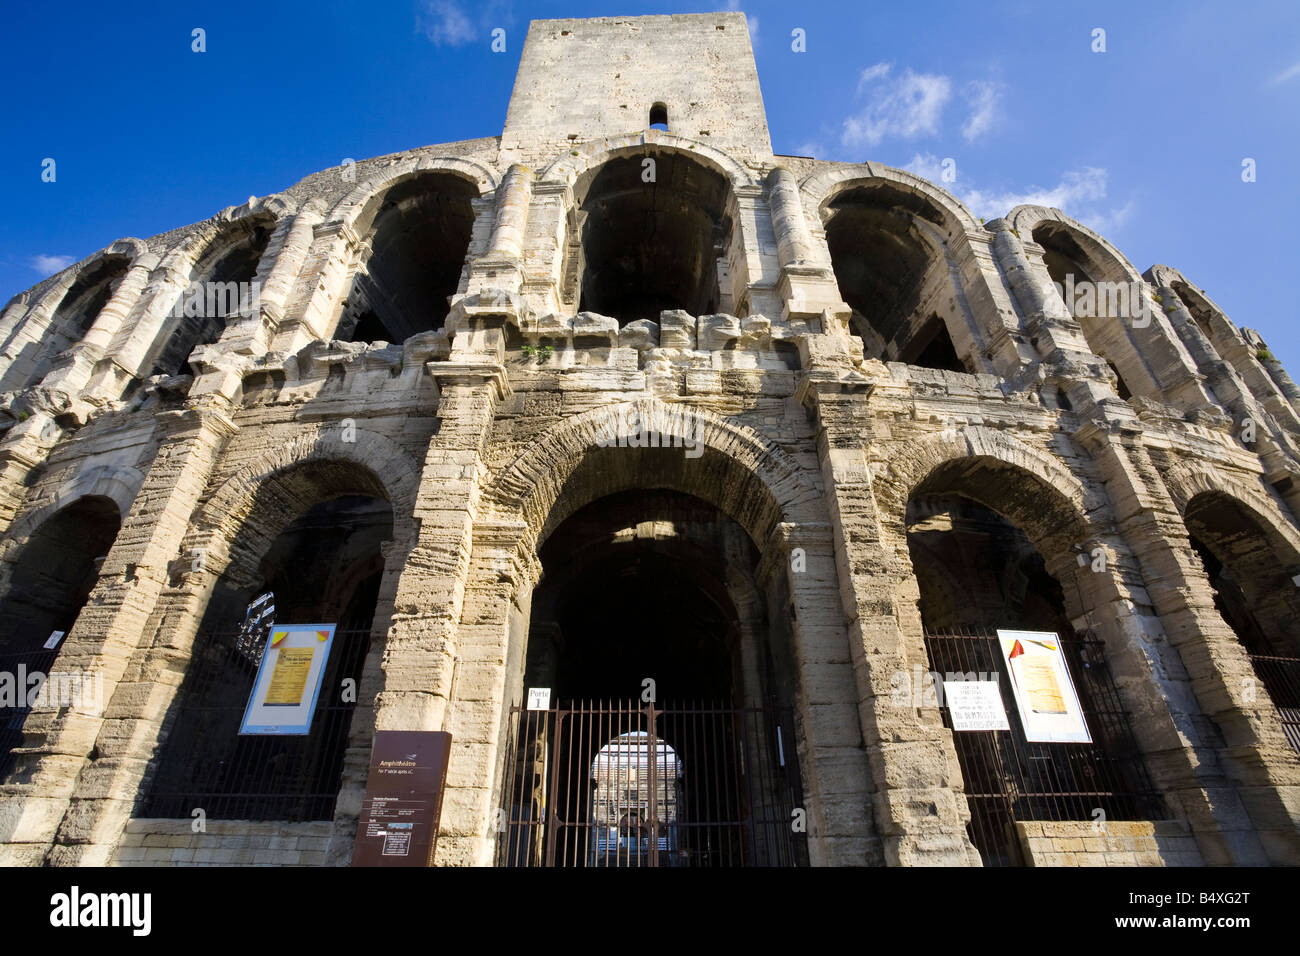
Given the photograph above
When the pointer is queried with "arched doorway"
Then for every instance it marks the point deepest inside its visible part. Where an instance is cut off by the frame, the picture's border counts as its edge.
(313, 539)
(1255, 593)
(50, 578)
(975, 528)
(668, 738)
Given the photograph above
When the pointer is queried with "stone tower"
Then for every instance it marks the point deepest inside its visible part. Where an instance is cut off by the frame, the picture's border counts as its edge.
(715, 444)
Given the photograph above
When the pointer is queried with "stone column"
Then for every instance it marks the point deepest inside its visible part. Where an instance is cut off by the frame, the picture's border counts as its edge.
(920, 814)
(793, 240)
(287, 250)
(86, 800)
(515, 195)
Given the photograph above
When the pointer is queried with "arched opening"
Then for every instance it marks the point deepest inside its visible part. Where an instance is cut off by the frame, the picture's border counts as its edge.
(672, 684)
(418, 234)
(72, 319)
(1255, 592)
(890, 274)
(1100, 300)
(654, 233)
(50, 578)
(978, 573)
(223, 284)
(659, 116)
(314, 540)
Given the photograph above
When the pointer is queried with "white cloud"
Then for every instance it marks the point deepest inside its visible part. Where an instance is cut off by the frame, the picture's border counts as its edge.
(1080, 193)
(926, 166)
(1291, 72)
(445, 23)
(810, 148)
(983, 97)
(1077, 186)
(48, 265)
(905, 106)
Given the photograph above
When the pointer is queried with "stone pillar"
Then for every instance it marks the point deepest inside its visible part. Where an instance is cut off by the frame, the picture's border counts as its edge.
(793, 240)
(920, 813)
(135, 336)
(491, 647)
(835, 766)
(806, 287)
(313, 307)
(64, 802)
(287, 250)
(514, 196)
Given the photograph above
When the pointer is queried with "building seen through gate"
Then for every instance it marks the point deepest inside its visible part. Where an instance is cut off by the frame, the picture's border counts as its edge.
(679, 481)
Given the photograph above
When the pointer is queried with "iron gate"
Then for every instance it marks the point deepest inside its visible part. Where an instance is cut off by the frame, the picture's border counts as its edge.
(1008, 778)
(621, 783)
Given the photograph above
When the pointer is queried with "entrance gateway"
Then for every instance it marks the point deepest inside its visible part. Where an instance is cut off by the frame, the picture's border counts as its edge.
(627, 784)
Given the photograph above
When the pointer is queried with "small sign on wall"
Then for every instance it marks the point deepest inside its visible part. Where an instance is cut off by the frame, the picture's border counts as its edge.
(539, 698)
(975, 705)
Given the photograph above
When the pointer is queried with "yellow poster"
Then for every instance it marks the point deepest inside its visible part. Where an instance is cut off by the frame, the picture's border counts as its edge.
(1041, 686)
(289, 679)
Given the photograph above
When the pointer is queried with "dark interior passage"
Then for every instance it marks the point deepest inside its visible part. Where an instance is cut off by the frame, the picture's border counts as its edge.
(419, 238)
(54, 572)
(652, 231)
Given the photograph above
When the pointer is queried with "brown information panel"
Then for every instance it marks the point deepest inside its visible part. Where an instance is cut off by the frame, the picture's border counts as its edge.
(399, 818)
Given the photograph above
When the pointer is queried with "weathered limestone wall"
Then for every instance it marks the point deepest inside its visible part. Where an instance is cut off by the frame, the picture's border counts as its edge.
(483, 435)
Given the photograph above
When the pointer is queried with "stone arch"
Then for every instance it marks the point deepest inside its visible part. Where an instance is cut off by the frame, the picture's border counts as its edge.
(395, 478)
(203, 237)
(40, 332)
(750, 481)
(568, 167)
(1187, 479)
(768, 487)
(893, 241)
(919, 459)
(48, 298)
(407, 237)
(120, 483)
(634, 247)
(228, 249)
(365, 196)
(1109, 261)
(821, 187)
(1139, 342)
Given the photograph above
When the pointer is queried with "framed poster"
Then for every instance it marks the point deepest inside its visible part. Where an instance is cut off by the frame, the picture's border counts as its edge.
(288, 679)
(1045, 696)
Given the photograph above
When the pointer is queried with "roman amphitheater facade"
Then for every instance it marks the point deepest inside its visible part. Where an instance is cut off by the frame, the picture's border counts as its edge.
(616, 395)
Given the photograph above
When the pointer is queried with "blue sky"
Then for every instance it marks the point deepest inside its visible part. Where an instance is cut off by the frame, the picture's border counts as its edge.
(1144, 142)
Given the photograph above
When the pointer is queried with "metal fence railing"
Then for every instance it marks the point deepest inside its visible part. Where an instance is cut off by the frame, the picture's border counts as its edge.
(1008, 778)
(1281, 678)
(20, 667)
(625, 784)
(205, 764)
